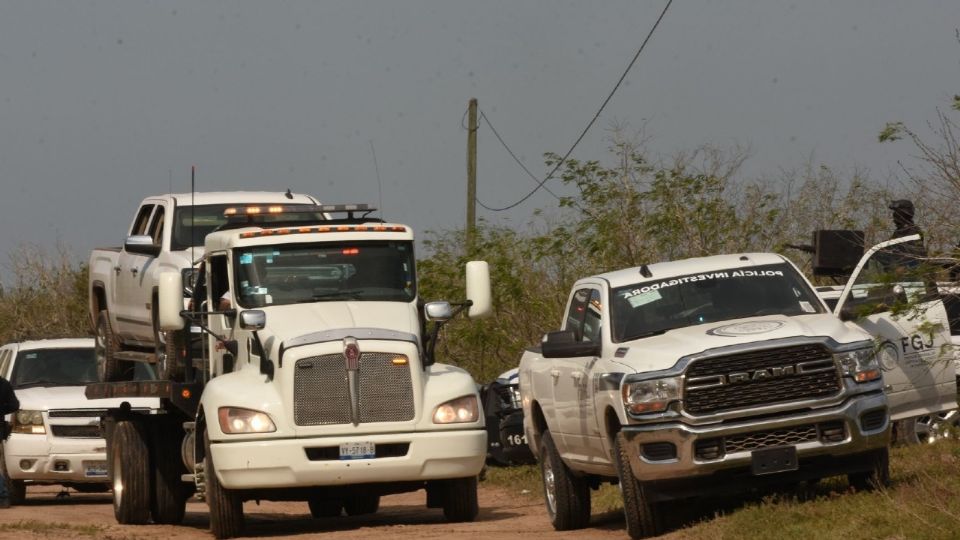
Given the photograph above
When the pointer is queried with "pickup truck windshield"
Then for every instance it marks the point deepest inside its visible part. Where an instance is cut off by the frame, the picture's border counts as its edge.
(298, 273)
(656, 306)
(62, 367)
(191, 224)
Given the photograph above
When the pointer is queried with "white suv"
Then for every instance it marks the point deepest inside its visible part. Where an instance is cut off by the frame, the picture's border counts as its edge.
(56, 435)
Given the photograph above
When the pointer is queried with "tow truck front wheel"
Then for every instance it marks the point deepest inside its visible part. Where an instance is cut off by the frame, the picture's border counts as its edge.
(457, 497)
(226, 507)
(567, 496)
(129, 470)
(640, 512)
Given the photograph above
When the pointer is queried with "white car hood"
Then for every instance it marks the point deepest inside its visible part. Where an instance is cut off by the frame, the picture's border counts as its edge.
(663, 351)
(291, 321)
(39, 398)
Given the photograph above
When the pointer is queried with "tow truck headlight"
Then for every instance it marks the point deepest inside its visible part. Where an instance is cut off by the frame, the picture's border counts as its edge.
(861, 365)
(236, 420)
(457, 411)
(650, 396)
(27, 421)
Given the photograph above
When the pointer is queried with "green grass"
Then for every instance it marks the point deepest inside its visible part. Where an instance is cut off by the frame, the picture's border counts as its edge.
(923, 502)
(47, 528)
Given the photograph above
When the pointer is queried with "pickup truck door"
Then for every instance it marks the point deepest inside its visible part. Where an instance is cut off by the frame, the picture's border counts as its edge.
(136, 282)
(127, 310)
(572, 388)
(914, 346)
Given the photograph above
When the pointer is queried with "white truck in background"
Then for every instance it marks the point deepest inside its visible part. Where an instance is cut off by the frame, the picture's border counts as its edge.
(167, 231)
(55, 436)
(695, 377)
(319, 381)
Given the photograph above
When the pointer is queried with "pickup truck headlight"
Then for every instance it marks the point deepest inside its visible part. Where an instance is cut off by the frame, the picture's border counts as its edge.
(457, 411)
(650, 396)
(236, 420)
(27, 421)
(861, 365)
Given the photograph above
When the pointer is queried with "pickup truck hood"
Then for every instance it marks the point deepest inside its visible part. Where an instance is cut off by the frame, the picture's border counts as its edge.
(663, 351)
(39, 398)
(287, 322)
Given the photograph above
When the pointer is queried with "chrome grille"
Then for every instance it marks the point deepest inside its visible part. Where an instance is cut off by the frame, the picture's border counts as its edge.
(766, 439)
(823, 380)
(76, 432)
(322, 394)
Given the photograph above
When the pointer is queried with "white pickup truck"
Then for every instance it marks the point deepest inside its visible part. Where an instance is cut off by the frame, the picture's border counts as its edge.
(55, 437)
(166, 232)
(700, 376)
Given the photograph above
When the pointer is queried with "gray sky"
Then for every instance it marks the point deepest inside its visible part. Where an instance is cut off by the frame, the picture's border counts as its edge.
(101, 101)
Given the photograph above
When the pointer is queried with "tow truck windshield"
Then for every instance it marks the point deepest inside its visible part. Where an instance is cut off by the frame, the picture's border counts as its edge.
(657, 306)
(300, 273)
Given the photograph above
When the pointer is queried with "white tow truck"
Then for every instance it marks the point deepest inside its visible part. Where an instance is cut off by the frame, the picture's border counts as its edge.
(696, 377)
(55, 436)
(167, 231)
(319, 381)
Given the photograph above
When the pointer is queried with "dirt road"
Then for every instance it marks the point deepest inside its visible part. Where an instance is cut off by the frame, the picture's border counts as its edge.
(502, 516)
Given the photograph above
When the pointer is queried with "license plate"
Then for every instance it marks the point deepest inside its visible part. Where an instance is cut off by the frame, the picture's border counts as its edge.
(95, 469)
(774, 460)
(358, 450)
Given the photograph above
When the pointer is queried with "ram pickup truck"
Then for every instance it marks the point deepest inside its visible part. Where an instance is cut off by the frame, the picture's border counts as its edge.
(319, 380)
(55, 436)
(166, 234)
(695, 377)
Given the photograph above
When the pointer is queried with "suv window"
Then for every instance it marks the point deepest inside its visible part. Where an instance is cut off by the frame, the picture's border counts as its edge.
(62, 367)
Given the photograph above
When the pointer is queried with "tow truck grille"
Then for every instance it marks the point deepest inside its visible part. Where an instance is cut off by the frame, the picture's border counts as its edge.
(771, 377)
(322, 394)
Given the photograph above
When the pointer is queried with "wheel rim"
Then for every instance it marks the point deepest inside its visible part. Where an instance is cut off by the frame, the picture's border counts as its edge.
(100, 351)
(934, 427)
(550, 486)
(117, 480)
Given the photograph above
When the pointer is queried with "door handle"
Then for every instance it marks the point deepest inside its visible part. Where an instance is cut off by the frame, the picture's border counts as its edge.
(577, 375)
(134, 271)
(555, 373)
(117, 269)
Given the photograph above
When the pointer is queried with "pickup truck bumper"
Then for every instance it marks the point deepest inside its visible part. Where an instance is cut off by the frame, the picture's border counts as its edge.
(718, 448)
(287, 463)
(29, 457)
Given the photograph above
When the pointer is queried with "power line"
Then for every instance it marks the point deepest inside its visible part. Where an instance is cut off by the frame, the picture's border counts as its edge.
(541, 183)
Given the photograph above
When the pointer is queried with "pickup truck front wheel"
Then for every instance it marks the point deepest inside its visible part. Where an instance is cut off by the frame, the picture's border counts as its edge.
(877, 477)
(567, 496)
(105, 348)
(641, 513)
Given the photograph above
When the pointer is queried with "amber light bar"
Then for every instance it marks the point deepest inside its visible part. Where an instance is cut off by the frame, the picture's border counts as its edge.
(324, 229)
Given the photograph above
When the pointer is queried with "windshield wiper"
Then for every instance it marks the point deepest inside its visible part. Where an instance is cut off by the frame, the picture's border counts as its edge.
(647, 334)
(41, 382)
(352, 295)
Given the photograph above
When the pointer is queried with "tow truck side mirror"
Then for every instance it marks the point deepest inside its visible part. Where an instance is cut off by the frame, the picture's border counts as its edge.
(142, 244)
(478, 289)
(253, 319)
(170, 299)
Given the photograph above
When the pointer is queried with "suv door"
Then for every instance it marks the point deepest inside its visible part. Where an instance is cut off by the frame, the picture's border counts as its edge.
(913, 346)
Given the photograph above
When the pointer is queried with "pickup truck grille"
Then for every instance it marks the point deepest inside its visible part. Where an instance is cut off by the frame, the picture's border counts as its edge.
(763, 377)
(322, 394)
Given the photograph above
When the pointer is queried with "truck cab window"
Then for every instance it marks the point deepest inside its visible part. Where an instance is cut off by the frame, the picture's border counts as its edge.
(593, 317)
(219, 282)
(141, 221)
(577, 312)
(156, 226)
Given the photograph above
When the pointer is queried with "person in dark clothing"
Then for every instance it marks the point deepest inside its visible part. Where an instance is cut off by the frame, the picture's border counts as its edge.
(8, 404)
(908, 253)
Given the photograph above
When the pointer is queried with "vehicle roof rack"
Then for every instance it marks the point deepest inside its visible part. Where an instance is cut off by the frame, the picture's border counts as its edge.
(287, 215)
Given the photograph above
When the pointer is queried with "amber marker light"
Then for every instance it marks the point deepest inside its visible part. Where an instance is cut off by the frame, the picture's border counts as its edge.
(185, 393)
(399, 361)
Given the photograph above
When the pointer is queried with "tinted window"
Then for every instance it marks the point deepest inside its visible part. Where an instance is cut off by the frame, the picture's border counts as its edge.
(655, 306)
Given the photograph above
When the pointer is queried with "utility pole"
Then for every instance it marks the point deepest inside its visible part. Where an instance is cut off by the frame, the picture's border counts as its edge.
(471, 173)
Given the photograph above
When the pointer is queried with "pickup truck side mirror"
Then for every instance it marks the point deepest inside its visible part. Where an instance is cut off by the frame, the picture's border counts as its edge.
(142, 244)
(563, 344)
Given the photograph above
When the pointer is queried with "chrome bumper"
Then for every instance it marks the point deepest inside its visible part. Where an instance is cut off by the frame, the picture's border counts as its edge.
(685, 438)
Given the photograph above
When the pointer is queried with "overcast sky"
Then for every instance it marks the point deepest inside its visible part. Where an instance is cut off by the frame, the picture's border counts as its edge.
(102, 102)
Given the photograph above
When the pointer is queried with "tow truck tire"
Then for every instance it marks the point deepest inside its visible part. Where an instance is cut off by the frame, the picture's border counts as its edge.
(16, 489)
(460, 499)
(325, 508)
(106, 347)
(170, 494)
(877, 477)
(567, 496)
(129, 468)
(226, 507)
(640, 512)
(361, 505)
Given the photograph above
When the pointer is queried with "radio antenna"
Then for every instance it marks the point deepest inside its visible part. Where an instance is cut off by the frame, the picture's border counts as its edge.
(379, 184)
(193, 207)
